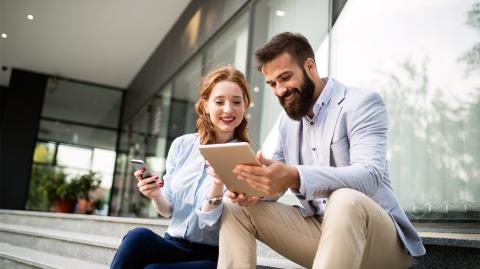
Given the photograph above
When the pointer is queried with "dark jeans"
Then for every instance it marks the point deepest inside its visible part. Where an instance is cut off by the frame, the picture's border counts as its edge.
(142, 248)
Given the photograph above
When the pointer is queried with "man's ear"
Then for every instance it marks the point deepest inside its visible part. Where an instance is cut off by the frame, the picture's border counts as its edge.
(310, 66)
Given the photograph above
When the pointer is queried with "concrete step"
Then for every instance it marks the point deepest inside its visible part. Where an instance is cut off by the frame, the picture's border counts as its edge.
(86, 247)
(21, 257)
(88, 224)
(91, 238)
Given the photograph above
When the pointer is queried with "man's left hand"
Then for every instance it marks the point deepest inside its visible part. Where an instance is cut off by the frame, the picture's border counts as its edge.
(273, 177)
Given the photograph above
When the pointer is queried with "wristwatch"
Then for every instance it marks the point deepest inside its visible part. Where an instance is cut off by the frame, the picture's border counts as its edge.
(215, 200)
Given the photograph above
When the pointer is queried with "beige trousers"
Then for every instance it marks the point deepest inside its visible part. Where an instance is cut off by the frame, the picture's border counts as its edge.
(355, 233)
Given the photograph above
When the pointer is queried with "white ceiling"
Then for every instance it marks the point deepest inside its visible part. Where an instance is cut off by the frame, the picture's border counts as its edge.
(100, 41)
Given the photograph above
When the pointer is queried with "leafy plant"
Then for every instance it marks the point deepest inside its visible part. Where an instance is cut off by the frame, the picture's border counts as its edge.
(84, 184)
(56, 187)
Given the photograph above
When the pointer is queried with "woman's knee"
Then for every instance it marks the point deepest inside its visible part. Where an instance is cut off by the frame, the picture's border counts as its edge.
(138, 235)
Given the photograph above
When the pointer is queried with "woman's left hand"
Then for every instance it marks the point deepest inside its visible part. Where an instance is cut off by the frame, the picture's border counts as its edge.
(215, 178)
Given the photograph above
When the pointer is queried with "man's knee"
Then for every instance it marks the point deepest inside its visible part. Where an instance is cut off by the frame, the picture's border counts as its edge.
(348, 203)
(231, 212)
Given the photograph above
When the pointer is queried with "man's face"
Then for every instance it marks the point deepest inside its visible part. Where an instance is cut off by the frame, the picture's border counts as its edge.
(290, 84)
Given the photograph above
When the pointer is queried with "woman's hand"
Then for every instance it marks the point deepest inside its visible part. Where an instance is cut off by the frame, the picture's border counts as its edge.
(216, 189)
(150, 186)
(217, 183)
(242, 199)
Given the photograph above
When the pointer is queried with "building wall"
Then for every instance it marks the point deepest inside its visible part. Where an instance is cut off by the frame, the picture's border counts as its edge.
(21, 105)
(199, 21)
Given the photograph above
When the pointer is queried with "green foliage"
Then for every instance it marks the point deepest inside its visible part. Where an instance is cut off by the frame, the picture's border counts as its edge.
(47, 185)
(37, 194)
(84, 184)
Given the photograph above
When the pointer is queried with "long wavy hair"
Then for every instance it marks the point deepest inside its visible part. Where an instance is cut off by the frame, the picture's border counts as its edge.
(205, 128)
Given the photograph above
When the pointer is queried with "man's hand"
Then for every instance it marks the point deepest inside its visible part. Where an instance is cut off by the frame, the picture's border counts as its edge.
(273, 177)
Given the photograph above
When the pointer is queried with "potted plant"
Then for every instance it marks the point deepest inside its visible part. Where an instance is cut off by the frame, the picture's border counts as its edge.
(60, 193)
(86, 184)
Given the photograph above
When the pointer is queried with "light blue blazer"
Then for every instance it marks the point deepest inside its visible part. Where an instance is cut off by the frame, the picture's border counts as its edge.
(354, 144)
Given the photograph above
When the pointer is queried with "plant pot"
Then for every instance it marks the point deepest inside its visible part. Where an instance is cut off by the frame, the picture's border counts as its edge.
(84, 206)
(64, 206)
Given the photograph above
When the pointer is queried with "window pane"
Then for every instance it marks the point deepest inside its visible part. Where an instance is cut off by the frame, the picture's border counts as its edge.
(74, 157)
(185, 94)
(77, 135)
(308, 17)
(424, 61)
(104, 163)
(44, 153)
(230, 47)
(82, 103)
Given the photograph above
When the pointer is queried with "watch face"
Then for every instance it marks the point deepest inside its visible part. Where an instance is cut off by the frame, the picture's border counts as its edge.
(215, 200)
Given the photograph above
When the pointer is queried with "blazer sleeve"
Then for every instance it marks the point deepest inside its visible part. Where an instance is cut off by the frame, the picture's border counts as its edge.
(366, 124)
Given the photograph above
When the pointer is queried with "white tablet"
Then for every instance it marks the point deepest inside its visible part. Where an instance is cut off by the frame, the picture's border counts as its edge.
(224, 157)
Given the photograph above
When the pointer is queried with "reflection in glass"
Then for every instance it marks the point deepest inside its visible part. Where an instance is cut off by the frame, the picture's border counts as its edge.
(230, 47)
(422, 62)
(310, 18)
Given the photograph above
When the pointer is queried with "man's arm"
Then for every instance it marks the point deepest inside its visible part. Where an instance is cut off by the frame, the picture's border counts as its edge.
(367, 128)
(367, 136)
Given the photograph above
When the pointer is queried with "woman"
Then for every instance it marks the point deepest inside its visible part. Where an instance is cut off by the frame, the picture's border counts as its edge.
(190, 196)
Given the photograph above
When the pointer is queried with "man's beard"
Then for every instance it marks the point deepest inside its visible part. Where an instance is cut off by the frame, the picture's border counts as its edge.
(298, 107)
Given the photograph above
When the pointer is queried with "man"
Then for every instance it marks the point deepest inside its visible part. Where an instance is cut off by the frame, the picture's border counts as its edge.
(332, 154)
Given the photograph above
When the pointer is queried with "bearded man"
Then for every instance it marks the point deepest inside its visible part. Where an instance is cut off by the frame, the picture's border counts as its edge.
(332, 154)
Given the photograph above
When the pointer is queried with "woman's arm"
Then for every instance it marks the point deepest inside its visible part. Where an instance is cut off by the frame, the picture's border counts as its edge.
(150, 187)
(216, 190)
(162, 205)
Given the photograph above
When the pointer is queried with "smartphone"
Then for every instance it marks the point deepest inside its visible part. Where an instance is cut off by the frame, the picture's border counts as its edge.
(139, 164)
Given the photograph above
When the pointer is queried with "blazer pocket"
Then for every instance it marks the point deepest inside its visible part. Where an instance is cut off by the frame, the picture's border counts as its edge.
(340, 152)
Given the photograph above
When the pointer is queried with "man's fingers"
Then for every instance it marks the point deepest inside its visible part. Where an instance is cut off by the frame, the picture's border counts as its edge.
(253, 178)
(264, 161)
(249, 169)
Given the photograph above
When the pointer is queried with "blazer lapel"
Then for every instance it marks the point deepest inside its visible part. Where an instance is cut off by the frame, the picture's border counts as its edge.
(334, 110)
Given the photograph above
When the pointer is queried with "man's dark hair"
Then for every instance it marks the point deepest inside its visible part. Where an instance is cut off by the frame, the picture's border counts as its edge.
(296, 45)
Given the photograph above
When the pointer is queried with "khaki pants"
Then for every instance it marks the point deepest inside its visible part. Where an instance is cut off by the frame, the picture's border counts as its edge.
(355, 233)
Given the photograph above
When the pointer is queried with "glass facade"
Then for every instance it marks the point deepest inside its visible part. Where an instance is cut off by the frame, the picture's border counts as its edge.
(425, 63)
(77, 135)
(428, 79)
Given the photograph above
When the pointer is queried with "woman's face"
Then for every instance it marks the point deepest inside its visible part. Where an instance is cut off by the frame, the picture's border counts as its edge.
(225, 107)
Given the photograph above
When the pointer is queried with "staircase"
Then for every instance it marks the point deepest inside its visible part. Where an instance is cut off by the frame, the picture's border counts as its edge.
(55, 240)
